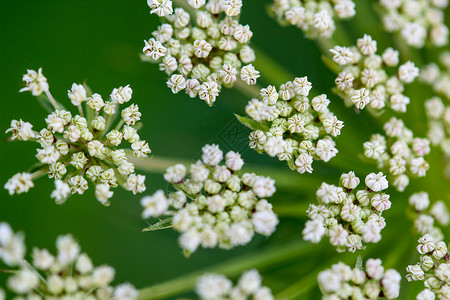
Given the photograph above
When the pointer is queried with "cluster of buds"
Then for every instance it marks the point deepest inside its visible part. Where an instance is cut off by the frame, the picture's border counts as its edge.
(343, 282)
(400, 154)
(69, 274)
(204, 54)
(438, 124)
(348, 216)
(76, 147)
(437, 75)
(366, 78)
(289, 125)
(433, 269)
(215, 206)
(425, 216)
(416, 21)
(315, 18)
(218, 287)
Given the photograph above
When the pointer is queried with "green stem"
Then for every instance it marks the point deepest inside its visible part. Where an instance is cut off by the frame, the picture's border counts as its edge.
(230, 268)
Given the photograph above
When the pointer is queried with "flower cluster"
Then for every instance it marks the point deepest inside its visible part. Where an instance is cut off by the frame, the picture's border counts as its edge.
(215, 206)
(69, 274)
(366, 78)
(315, 18)
(202, 55)
(417, 21)
(425, 216)
(343, 282)
(399, 154)
(437, 75)
(438, 124)
(348, 216)
(288, 125)
(218, 287)
(76, 147)
(433, 269)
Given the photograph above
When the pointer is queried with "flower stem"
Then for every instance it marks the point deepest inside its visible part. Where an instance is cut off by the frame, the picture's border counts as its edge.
(230, 268)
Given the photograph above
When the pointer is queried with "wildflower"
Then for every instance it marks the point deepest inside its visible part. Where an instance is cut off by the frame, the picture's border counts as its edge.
(201, 60)
(365, 77)
(75, 148)
(416, 22)
(224, 209)
(289, 111)
(347, 215)
(404, 158)
(58, 270)
(215, 286)
(340, 280)
(315, 20)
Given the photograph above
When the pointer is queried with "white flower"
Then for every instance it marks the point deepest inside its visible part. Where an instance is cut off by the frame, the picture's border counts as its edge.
(131, 114)
(121, 94)
(376, 182)
(160, 7)
(102, 193)
(154, 48)
(135, 183)
(360, 98)
(367, 45)
(62, 191)
(264, 187)
(249, 74)
(342, 55)
(426, 244)
(414, 34)
(21, 130)
(208, 91)
(426, 294)
(175, 174)
(213, 286)
(374, 269)
(35, 82)
(68, 249)
(314, 230)
(250, 282)
(349, 180)
(77, 94)
(265, 222)
(155, 205)
(103, 275)
(125, 291)
(212, 155)
(419, 201)
(408, 72)
(232, 7)
(333, 126)
(234, 161)
(19, 183)
(23, 282)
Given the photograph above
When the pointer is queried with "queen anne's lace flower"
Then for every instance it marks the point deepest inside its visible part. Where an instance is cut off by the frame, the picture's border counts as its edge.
(343, 282)
(84, 146)
(348, 216)
(201, 59)
(218, 287)
(215, 206)
(404, 155)
(433, 268)
(315, 18)
(292, 127)
(367, 79)
(69, 274)
(416, 21)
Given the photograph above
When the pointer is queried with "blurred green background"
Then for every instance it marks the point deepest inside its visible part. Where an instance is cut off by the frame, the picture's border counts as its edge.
(100, 42)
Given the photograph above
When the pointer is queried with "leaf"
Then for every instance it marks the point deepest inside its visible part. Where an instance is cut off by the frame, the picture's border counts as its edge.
(252, 124)
(161, 224)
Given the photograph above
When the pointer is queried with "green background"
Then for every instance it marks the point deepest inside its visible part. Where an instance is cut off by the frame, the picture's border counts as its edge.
(100, 42)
